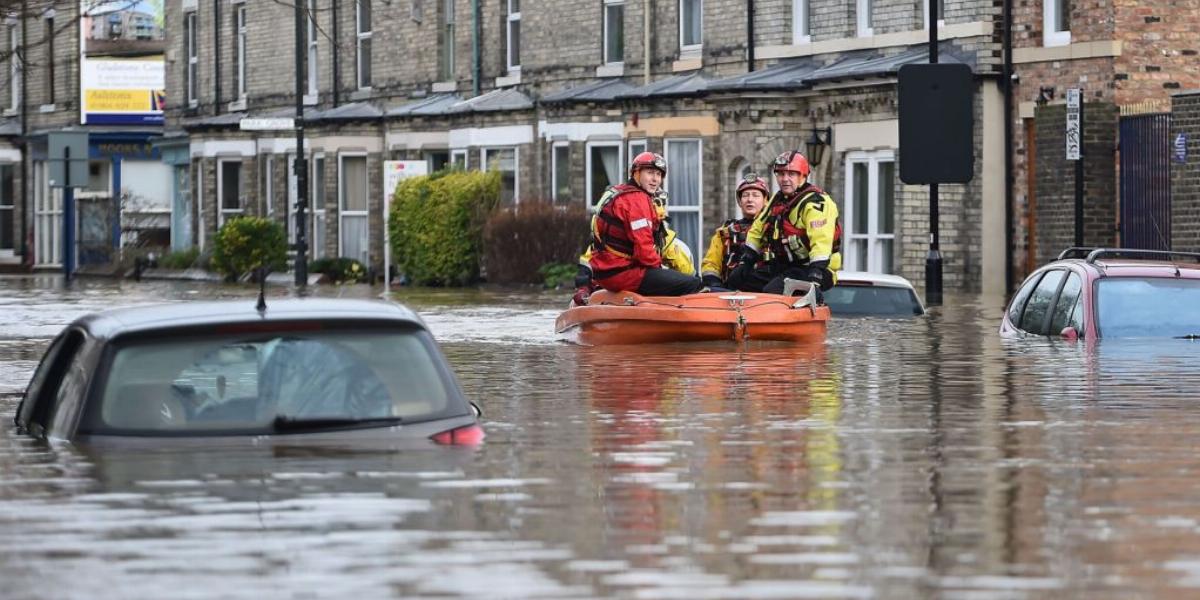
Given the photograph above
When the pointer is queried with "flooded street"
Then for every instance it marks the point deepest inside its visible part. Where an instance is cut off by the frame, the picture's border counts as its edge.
(901, 459)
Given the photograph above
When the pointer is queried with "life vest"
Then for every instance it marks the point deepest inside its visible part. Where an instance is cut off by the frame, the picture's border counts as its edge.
(608, 230)
(733, 237)
(789, 241)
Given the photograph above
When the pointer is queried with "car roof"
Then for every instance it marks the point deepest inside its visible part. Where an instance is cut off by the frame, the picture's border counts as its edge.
(111, 323)
(882, 279)
(1130, 267)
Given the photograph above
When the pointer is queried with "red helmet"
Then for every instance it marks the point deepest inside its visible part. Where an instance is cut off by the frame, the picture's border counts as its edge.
(648, 159)
(752, 182)
(792, 161)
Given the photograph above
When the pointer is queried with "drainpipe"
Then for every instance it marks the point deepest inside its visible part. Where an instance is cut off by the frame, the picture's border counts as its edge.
(1009, 217)
(27, 210)
(337, 80)
(750, 34)
(646, 43)
(476, 58)
(217, 56)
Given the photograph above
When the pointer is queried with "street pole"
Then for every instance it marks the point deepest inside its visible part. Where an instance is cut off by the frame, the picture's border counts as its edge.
(68, 258)
(933, 258)
(300, 164)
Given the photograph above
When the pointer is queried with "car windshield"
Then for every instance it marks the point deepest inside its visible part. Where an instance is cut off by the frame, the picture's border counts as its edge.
(872, 300)
(266, 383)
(1147, 307)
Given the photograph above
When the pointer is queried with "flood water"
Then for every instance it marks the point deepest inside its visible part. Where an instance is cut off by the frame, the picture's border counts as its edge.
(922, 458)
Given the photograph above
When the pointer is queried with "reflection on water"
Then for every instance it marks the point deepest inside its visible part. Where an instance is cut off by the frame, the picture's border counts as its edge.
(921, 458)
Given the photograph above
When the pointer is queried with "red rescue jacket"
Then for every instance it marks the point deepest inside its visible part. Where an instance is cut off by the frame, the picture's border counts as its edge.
(623, 236)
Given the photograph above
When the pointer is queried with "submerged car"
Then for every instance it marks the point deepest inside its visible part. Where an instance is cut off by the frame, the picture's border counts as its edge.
(1109, 292)
(859, 293)
(298, 366)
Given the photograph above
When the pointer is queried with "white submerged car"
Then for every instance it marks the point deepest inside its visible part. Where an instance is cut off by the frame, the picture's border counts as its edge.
(863, 294)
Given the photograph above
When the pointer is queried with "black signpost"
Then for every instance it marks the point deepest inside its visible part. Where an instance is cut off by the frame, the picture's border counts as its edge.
(300, 165)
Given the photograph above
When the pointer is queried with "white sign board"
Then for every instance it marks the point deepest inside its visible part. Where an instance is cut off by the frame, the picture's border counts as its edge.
(267, 124)
(394, 171)
(1074, 134)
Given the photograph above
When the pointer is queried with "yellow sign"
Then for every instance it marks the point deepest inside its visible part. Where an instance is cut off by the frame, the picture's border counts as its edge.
(118, 100)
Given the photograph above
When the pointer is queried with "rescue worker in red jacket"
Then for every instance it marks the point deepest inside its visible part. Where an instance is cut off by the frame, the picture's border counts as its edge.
(725, 247)
(626, 256)
(797, 236)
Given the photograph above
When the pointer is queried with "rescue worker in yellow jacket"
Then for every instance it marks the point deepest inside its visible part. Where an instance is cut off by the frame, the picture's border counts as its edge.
(725, 247)
(797, 236)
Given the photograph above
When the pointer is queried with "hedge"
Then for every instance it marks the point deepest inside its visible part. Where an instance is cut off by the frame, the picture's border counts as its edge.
(524, 243)
(436, 225)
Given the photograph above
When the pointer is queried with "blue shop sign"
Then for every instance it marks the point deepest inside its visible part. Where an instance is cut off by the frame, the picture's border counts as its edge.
(125, 150)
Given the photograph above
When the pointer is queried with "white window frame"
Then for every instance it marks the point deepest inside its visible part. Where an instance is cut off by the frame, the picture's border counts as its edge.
(604, 32)
(48, 215)
(313, 54)
(459, 156)
(191, 28)
(318, 210)
(361, 37)
(1050, 34)
(691, 48)
(343, 212)
(269, 191)
(293, 196)
(697, 252)
(554, 168)
(801, 27)
(240, 48)
(587, 162)
(862, 15)
(636, 147)
(14, 67)
(874, 261)
(224, 214)
(512, 18)
(941, 13)
(483, 164)
(200, 236)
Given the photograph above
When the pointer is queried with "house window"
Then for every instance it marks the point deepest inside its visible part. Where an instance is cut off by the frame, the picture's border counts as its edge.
(801, 32)
(636, 147)
(603, 168)
(1056, 22)
(193, 57)
(312, 49)
(505, 161)
(318, 207)
(229, 186)
(614, 31)
(690, 24)
(14, 67)
(239, 26)
(865, 10)
(7, 204)
(50, 60)
(870, 211)
(446, 42)
(352, 204)
(269, 184)
(560, 173)
(941, 13)
(47, 212)
(458, 159)
(364, 43)
(684, 176)
(437, 160)
(514, 35)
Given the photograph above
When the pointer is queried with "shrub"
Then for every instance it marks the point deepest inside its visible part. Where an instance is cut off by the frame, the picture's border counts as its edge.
(339, 270)
(558, 275)
(436, 225)
(246, 243)
(521, 240)
(183, 259)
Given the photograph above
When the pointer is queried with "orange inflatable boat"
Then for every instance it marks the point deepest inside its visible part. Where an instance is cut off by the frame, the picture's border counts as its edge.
(629, 318)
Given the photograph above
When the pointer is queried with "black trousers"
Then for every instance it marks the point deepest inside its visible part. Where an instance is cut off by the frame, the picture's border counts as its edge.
(668, 282)
(770, 281)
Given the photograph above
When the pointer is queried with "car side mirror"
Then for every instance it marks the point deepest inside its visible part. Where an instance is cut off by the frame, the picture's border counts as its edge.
(1069, 333)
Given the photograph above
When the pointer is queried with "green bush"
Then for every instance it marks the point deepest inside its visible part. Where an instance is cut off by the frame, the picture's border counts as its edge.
(339, 270)
(246, 243)
(558, 275)
(436, 225)
(520, 240)
(183, 259)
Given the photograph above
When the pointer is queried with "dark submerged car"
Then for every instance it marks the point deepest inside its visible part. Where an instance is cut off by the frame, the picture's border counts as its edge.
(306, 366)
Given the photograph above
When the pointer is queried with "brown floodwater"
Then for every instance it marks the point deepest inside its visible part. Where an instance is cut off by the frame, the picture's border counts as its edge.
(923, 458)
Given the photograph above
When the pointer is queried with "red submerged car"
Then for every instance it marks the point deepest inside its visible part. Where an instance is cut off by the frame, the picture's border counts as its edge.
(1109, 292)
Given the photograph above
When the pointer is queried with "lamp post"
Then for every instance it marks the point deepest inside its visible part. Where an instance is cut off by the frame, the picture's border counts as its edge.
(300, 165)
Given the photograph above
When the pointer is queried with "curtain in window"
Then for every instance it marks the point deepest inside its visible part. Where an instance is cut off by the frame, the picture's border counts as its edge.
(683, 190)
(354, 199)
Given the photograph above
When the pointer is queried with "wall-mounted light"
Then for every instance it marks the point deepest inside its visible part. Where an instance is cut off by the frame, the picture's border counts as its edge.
(814, 147)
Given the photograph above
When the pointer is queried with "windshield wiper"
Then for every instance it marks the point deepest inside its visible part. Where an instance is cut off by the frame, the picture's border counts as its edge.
(286, 423)
(1190, 336)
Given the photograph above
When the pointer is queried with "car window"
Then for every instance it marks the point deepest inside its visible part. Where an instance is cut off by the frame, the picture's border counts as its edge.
(1064, 307)
(872, 300)
(45, 388)
(1018, 302)
(1147, 307)
(242, 384)
(1033, 319)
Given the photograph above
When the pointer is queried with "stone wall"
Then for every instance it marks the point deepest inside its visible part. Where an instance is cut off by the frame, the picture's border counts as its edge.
(1185, 176)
